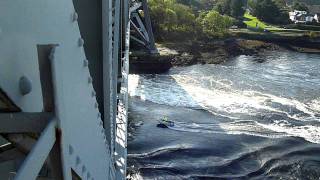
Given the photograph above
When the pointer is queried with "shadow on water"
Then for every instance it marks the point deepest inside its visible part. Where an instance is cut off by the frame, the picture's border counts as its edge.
(156, 153)
(208, 145)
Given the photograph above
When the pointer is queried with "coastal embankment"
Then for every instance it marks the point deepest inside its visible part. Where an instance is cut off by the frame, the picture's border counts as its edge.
(177, 53)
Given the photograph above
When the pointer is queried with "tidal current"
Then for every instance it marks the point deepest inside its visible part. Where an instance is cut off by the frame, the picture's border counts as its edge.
(253, 117)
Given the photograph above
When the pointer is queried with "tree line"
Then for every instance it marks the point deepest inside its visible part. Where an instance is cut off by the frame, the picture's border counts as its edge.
(186, 17)
(213, 18)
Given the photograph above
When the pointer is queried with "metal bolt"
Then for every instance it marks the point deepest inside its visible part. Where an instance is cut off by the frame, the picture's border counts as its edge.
(70, 149)
(78, 161)
(80, 42)
(25, 85)
(89, 80)
(85, 63)
(75, 16)
(83, 169)
(93, 93)
(115, 165)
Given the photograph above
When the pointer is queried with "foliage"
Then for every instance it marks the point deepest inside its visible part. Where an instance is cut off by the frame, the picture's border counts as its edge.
(300, 6)
(308, 2)
(303, 27)
(313, 34)
(234, 8)
(194, 4)
(169, 17)
(215, 24)
(237, 8)
(269, 11)
(281, 3)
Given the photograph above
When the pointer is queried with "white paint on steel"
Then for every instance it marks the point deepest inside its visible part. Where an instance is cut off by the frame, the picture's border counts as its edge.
(121, 120)
(39, 153)
(26, 24)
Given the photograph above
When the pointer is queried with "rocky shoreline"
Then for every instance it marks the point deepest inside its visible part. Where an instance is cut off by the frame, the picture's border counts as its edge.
(189, 53)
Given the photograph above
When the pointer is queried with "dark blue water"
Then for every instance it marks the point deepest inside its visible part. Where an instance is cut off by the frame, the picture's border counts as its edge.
(254, 117)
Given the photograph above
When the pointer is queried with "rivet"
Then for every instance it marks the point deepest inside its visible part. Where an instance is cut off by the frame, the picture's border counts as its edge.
(80, 42)
(115, 165)
(93, 93)
(75, 17)
(83, 169)
(78, 161)
(25, 85)
(89, 79)
(70, 149)
(85, 63)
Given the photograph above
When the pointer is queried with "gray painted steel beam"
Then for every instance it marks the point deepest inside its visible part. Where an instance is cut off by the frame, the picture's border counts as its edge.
(24, 122)
(121, 128)
(141, 34)
(138, 40)
(141, 25)
(135, 6)
(36, 158)
(148, 26)
(107, 64)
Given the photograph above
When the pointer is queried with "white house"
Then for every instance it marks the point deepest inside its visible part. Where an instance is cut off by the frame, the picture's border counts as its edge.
(317, 17)
(298, 16)
(309, 18)
(301, 17)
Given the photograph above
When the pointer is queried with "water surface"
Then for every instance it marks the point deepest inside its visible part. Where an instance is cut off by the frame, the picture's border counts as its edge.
(254, 117)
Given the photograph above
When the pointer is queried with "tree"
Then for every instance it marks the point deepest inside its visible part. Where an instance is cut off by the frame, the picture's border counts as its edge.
(223, 7)
(234, 8)
(268, 11)
(237, 8)
(215, 24)
(169, 16)
(300, 6)
(281, 3)
(185, 17)
(207, 5)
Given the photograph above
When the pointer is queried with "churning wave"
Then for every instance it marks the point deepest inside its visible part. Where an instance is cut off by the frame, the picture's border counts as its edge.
(279, 98)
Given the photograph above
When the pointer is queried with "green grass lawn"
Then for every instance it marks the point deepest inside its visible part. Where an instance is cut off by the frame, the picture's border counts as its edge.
(252, 22)
(255, 27)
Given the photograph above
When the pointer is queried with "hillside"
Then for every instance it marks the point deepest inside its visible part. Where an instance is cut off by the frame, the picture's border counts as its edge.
(308, 2)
